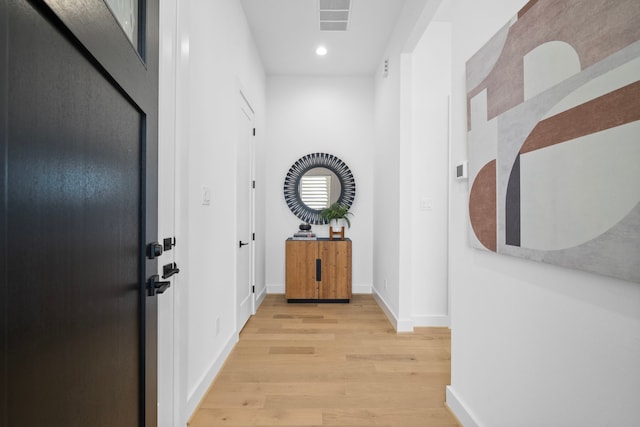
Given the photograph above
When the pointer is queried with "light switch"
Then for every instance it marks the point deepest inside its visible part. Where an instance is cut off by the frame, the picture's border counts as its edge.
(461, 169)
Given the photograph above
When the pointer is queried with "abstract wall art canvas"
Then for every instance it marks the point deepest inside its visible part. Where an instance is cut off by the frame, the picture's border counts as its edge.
(553, 116)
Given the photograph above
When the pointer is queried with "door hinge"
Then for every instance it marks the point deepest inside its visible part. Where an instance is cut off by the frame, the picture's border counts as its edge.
(253, 236)
(253, 184)
(254, 131)
(253, 289)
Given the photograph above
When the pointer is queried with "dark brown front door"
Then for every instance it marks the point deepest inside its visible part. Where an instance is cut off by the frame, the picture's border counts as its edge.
(78, 132)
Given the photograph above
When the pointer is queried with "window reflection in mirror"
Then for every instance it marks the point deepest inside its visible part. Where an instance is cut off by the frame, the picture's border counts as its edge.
(319, 188)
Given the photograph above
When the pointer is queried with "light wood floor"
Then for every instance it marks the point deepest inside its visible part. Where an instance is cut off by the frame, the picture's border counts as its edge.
(330, 365)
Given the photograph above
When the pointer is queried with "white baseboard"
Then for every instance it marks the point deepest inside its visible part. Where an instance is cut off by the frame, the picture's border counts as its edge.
(404, 325)
(407, 325)
(199, 391)
(400, 325)
(260, 297)
(433, 320)
(362, 289)
(459, 409)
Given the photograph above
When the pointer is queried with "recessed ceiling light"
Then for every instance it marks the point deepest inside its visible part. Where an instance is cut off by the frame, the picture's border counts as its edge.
(321, 50)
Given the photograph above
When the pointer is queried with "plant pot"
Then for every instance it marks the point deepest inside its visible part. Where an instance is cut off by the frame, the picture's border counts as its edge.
(336, 229)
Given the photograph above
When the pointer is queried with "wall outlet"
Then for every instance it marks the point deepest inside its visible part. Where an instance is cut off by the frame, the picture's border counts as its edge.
(206, 196)
(426, 204)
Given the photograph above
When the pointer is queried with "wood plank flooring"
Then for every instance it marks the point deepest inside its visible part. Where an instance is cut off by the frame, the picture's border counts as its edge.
(330, 365)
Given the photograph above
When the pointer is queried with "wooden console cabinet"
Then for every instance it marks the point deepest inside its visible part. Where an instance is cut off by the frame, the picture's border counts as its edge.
(318, 270)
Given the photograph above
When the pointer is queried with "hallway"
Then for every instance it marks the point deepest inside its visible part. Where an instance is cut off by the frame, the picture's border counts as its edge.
(330, 364)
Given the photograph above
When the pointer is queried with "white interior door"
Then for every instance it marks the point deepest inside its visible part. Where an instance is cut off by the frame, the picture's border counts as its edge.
(244, 208)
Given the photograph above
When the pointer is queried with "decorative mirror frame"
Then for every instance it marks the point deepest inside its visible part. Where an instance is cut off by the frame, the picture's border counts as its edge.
(303, 165)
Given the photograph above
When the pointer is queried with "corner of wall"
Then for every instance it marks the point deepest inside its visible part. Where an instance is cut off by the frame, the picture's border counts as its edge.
(400, 325)
(459, 409)
(432, 320)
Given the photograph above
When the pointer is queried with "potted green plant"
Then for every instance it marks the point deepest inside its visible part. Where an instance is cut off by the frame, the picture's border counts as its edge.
(334, 214)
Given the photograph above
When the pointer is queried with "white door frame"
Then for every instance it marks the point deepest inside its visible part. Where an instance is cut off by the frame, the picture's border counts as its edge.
(172, 132)
(166, 208)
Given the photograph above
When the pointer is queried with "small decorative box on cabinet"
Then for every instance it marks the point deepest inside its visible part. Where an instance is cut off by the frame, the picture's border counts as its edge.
(318, 270)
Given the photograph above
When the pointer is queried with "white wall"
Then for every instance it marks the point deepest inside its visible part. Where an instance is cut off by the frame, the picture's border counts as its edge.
(215, 59)
(386, 181)
(319, 114)
(431, 83)
(532, 344)
(406, 130)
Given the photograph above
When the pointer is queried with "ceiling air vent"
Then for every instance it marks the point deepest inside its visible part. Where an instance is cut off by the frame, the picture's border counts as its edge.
(334, 15)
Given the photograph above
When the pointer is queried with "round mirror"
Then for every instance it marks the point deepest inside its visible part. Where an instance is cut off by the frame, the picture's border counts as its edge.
(315, 182)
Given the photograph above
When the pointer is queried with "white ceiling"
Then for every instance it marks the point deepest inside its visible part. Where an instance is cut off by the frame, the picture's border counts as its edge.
(287, 34)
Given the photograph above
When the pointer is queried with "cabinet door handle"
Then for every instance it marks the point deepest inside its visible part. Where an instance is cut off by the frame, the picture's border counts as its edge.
(318, 270)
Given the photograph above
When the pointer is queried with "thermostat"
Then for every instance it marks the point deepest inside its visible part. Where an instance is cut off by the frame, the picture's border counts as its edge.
(461, 170)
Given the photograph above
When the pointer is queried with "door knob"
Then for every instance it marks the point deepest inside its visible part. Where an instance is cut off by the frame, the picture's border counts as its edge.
(156, 286)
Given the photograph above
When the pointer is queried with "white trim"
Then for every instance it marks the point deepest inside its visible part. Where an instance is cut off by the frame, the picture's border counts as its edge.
(459, 409)
(181, 255)
(385, 308)
(404, 325)
(362, 289)
(199, 391)
(435, 320)
(260, 297)
(400, 325)
(168, 372)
